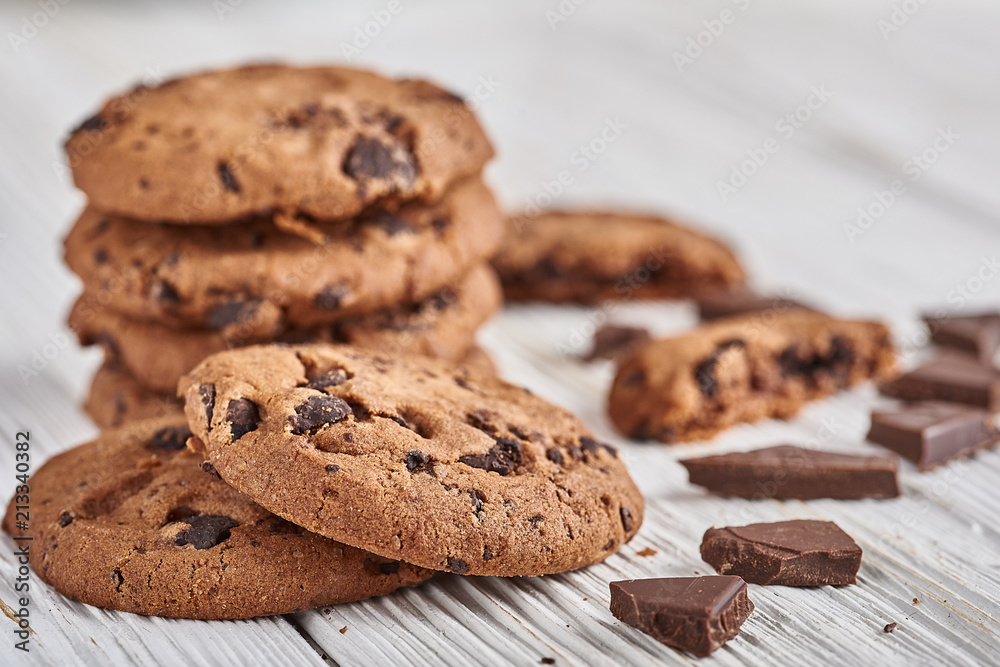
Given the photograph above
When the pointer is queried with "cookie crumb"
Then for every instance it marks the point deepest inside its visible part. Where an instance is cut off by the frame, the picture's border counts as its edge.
(548, 661)
(646, 552)
(343, 630)
(916, 601)
(889, 628)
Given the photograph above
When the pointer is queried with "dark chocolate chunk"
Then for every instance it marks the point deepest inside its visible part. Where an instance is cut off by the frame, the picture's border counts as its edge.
(117, 579)
(503, 457)
(370, 159)
(93, 124)
(626, 516)
(694, 614)
(207, 394)
(65, 519)
(976, 334)
(716, 305)
(950, 377)
(418, 461)
(228, 178)
(785, 553)
(458, 566)
(207, 467)
(331, 297)
(170, 437)
(331, 378)
(487, 553)
(477, 499)
(317, 412)
(932, 433)
(592, 446)
(786, 471)
(162, 291)
(555, 455)
(332, 467)
(613, 341)
(205, 531)
(242, 416)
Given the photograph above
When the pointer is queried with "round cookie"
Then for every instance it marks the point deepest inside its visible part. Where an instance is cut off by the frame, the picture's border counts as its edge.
(415, 459)
(326, 142)
(116, 397)
(134, 521)
(590, 256)
(743, 369)
(254, 279)
(443, 325)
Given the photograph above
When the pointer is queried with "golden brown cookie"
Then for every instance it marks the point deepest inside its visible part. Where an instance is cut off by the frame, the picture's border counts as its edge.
(590, 256)
(443, 325)
(412, 458)
(134, 521)
(325, 142)
(254, 279)
(743, 369)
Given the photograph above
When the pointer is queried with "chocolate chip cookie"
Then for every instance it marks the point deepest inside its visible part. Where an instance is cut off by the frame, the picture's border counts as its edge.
(413, 459)
(590, 256)
(134, 521)
(254, 279)
(116, 397)
(743, 369)
(325, 142)
(443, 325)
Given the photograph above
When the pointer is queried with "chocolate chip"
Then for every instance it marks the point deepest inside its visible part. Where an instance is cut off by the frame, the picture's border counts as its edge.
(207, 394)
(331, 378)
(232, 312)
(93, 124)
(837, 360)
(388, 568)
(65, 519)
(626, 515)
(555, 455)
(210, 469)
(117, 579)
(477, 499)
(318, 411)
(331, 297)
(393, 225)
(370, 159)
(333, 467)
(458, 566)
(169, 437)
(537, 519)
(100, 255)
(179, 514)
(228, 178)
(242, 416)
(634, 378)
(399, 420)
(503, 457)
(162, 291)
(592, 446)
(418, 461)
(549, 661)
(487, 553)
(704, 373)
(205, 531)
(440, 225)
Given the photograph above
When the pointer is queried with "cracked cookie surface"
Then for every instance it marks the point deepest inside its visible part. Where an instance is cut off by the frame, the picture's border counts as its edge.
(413, 459)
(743, 369)
(252, 278)
(590, 256)
(134, 521)
(327, 142)
(444, 326)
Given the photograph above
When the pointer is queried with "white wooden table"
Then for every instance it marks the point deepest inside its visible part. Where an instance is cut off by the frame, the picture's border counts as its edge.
(546, 87)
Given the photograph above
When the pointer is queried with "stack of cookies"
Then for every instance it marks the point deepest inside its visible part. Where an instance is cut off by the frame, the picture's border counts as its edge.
(272, 203)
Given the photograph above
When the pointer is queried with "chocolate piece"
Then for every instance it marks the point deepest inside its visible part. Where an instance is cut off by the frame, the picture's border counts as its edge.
(950, 377)
(931, 433)
(785, 553)
(786, 471)
(976, 334)
(205, 531)
(243, 417)
(316, 412)
(612, 341)
(716, 305)
(695, 614)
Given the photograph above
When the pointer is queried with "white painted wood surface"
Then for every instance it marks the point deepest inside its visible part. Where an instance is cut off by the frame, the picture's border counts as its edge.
(553, 90)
